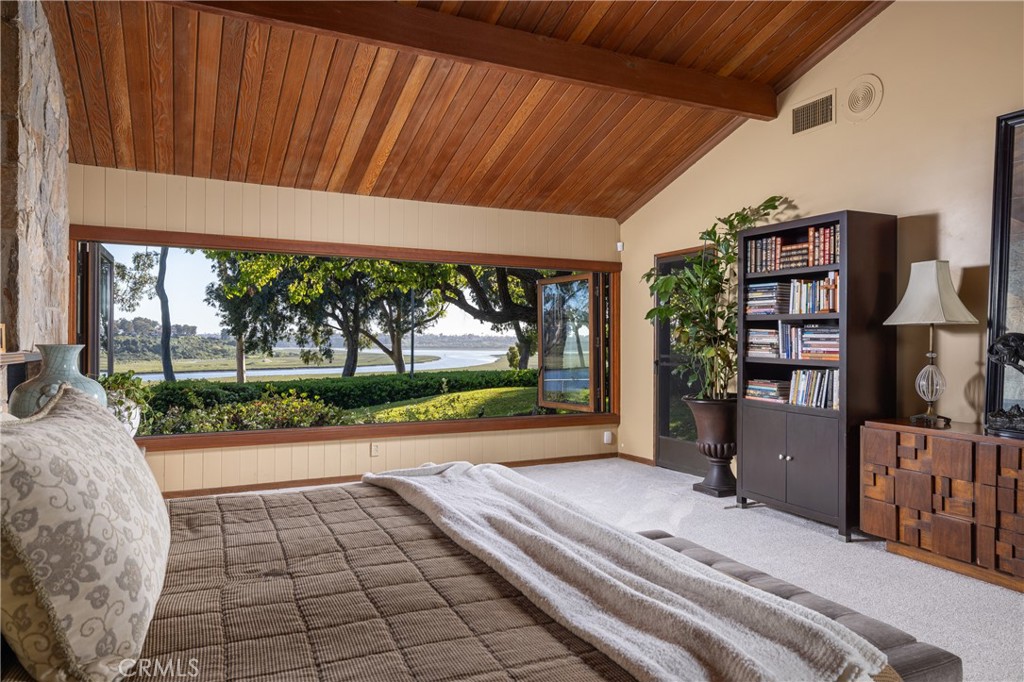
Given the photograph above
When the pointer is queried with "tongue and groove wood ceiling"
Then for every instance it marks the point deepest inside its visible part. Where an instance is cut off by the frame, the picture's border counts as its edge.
(303, 95)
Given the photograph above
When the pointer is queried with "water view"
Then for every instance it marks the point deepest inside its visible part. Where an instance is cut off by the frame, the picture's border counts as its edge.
(434, 359)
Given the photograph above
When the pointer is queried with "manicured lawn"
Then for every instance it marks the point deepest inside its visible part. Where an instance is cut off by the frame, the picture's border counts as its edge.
(488, 402)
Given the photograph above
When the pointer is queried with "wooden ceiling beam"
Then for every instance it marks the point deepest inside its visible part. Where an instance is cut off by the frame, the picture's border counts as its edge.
(425, 32)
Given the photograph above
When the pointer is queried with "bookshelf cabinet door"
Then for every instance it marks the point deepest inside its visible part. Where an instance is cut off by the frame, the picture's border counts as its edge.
(764, 448)
(812, 475)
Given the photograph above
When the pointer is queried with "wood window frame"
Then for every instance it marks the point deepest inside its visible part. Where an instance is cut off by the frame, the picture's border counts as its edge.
(227, 439)
(595, 348)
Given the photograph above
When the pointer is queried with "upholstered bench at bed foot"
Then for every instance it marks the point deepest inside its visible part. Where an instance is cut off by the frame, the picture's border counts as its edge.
(914, 661)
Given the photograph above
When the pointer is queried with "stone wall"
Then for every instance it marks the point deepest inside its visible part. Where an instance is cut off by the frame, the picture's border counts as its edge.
(33, 188)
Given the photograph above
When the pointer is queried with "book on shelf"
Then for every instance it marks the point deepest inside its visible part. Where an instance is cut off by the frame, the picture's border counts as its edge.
(816, 246)
(818, 342)
(767, 298)
(817, 388)
(762, 343)
(813, 296)
(768, 390)
(794, 341)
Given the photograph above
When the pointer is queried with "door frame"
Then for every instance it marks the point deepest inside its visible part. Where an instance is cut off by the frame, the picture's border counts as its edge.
(688, 460)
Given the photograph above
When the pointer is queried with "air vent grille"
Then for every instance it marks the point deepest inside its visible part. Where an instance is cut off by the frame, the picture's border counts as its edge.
(813, 114)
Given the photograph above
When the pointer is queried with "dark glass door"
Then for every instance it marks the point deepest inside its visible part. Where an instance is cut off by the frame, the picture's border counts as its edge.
(675, 432)
(96, 308)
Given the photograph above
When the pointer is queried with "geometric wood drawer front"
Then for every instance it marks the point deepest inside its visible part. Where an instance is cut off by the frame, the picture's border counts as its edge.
(953, 458)
(953, 538)
(950, 494)
(879, 518)
(913, 490)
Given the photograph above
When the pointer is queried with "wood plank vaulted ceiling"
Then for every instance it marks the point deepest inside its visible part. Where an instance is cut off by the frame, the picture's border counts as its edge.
(217, 93)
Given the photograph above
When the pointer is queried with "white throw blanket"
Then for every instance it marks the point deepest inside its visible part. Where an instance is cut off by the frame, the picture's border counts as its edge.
(658, 614)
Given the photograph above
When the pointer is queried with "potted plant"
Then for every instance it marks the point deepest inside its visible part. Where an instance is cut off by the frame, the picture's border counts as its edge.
(127, 398)
(700, 303)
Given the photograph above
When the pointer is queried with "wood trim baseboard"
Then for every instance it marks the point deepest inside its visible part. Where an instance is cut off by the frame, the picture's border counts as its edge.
(635, 458)
(314, 434)
(988, 575)
(129, 235)
(334, 480)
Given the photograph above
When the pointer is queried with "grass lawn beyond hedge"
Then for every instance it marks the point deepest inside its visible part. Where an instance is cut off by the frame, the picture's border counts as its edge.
(488, 402)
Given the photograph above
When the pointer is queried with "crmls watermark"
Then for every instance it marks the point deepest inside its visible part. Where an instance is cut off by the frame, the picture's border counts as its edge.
(156, 667)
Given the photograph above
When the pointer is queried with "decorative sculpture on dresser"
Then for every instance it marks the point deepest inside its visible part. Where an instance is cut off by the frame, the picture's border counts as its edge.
(1008, 351)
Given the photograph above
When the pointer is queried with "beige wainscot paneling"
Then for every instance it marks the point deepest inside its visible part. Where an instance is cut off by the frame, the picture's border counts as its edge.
(224, 467)
(924, 156)
(152, 201)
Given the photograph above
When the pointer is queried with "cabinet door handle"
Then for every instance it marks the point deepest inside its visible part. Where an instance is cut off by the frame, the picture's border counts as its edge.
(781, 457)
(789, 458)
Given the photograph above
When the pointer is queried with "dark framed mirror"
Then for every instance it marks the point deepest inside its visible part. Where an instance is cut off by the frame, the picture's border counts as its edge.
(1004, 399)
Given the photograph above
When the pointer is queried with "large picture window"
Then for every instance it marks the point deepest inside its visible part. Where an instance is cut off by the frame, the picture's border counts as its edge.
(230, 340)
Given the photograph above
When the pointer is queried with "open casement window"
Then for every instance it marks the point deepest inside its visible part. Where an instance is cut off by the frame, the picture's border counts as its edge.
(96, 308)
(571, 328)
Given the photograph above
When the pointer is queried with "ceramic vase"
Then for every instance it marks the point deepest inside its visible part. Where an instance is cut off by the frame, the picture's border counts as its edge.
(60, 366)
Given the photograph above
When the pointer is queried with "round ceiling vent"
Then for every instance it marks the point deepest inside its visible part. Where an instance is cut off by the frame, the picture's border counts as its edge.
(864, 95)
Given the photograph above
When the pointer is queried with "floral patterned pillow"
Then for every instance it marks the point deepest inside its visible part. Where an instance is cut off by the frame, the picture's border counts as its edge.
(85, 536)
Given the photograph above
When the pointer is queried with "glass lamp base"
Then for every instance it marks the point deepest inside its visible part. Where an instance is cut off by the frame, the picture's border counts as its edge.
(930, 385)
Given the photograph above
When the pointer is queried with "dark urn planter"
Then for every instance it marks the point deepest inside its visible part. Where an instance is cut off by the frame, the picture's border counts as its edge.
(716, 440)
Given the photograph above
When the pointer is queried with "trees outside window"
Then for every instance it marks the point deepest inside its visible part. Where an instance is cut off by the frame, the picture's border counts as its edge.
(292, 340)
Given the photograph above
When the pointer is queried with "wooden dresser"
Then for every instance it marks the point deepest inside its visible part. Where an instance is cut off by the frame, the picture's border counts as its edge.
(952, 497)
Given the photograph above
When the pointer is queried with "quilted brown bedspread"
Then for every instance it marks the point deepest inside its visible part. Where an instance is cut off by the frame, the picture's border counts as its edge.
(344, 583)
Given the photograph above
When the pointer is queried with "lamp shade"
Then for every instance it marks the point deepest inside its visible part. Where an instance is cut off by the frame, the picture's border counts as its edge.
(930, 297)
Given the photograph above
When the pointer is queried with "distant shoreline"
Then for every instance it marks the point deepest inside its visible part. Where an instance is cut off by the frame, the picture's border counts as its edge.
(459, 358)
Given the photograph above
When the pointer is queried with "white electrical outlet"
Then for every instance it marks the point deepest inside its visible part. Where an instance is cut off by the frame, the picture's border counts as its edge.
(374, 449)
(607, 437)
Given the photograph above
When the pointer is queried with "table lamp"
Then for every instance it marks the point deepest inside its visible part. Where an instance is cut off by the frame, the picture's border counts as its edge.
(930, 299)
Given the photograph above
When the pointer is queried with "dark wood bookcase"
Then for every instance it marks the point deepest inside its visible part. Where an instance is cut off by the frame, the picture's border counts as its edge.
(800, 459)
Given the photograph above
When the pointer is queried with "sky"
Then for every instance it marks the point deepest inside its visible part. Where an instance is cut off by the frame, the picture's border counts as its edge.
(188, 274)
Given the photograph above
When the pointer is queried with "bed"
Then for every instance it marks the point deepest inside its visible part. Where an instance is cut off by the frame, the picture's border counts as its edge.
(369, 582)
(352, 583)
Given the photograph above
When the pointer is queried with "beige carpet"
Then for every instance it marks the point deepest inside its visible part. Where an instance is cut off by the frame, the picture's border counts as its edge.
(981, 623)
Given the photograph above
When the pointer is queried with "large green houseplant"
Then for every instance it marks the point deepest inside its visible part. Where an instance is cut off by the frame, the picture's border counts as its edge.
(699, 302)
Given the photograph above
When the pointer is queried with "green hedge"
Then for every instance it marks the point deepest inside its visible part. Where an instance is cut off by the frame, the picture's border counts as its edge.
(346, 393)
(277, 411)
